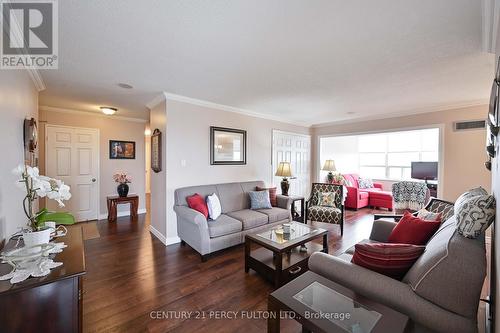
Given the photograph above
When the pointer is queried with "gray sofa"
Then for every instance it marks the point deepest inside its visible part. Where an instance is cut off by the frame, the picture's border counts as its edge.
(440, 293)
(236, 221)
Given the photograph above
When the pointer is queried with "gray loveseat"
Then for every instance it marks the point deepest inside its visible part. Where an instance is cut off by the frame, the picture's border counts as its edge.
(440, 293)
(236, 221)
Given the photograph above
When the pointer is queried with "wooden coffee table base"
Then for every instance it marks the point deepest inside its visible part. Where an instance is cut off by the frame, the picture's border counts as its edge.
(282, 264)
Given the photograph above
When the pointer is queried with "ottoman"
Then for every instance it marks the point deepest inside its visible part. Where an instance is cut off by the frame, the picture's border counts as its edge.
(381, 199)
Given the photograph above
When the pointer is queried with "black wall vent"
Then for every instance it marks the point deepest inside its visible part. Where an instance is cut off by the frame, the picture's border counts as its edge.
(469, 125)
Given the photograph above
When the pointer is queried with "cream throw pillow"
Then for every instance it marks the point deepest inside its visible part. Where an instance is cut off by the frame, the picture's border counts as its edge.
(214, 207)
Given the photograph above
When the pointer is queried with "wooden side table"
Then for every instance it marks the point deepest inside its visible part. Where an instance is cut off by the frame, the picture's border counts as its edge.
(114, 201)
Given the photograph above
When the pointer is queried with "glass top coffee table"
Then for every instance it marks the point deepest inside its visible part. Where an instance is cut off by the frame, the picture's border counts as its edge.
(321, 305)
(280, 257)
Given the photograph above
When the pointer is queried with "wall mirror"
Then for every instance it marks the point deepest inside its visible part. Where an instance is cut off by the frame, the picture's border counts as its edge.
(228, 146)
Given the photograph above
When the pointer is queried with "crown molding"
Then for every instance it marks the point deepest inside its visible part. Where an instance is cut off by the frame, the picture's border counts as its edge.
(155, 101)
(36, 77)
(490, 15)
(179, 98)
(89, 113)
(406, 113)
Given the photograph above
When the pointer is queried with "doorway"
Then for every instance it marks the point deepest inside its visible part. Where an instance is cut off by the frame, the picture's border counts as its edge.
(296, 149)
(72, 155)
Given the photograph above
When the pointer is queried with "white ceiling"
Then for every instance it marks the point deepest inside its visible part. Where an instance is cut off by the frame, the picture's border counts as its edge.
(308, 62)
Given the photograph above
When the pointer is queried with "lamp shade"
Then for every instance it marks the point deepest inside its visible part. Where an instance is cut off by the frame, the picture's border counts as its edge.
(284, 170)
(329, 166)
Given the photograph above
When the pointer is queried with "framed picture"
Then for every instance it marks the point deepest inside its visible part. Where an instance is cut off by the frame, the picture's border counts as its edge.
(228, 146)
(156, 151)
(121, 150)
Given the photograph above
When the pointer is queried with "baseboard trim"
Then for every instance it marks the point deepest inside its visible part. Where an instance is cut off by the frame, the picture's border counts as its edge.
(158, 235)
(122, 214)
(173, 240)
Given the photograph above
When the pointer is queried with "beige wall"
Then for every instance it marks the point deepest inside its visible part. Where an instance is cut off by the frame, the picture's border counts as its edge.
(463, 155)
(109, 129)
(187, 139)
(158, 120)
(18, 100)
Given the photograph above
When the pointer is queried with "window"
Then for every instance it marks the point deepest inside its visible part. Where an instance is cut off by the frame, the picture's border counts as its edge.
(383, 155)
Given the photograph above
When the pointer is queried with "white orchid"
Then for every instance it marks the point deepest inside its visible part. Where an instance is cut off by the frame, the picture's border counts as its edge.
(38, 186)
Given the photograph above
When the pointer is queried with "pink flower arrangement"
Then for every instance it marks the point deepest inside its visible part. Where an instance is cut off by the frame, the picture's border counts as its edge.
(122, 177)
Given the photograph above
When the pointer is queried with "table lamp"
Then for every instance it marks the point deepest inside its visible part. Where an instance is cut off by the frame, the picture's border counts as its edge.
(330, 167)
(284, 170)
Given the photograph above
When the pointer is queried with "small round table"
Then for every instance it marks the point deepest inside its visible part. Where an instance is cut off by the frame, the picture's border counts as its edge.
(114, 201)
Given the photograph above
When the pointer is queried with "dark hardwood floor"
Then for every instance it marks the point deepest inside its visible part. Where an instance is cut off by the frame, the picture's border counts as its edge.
(131, 275)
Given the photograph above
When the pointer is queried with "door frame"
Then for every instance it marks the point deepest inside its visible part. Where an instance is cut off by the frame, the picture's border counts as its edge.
(278, 131)
(98, 183)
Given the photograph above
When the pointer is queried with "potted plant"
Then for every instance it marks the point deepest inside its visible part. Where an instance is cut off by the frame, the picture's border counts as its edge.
(123, 179)
(38, 186)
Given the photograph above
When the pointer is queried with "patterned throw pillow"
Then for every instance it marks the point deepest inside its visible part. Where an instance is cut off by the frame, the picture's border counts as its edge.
(272, 194)
(259, 200)
(424, 214)
(474, 215)
(467, 195)
(326, 199)
(365, 183)
(393, 260)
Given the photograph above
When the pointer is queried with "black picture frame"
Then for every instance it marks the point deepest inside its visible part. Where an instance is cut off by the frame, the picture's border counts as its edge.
(121, 150)
(215, 156)
(156, 151)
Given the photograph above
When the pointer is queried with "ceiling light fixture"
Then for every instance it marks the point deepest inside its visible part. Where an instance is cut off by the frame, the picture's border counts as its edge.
(125, 85)
(108, 110)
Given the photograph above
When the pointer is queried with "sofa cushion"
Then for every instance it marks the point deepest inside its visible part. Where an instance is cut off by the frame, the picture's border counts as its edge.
(249, 218)
(412, 230)
(393, 260)
(232, 197)
(181, 194)
(324, 214)
(351, 180)
(363, 195)
(224, 225)
(365, 183)
(276, 214)
(467, 195)
(326, 199)
(450, 263)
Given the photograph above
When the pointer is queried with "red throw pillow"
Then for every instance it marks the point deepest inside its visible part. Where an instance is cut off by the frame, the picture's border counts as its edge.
(393, 260)
(272, 194)
(412, 230)
(197, 202)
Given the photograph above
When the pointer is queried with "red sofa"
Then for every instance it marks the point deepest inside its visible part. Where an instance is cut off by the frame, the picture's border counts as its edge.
(359, 198)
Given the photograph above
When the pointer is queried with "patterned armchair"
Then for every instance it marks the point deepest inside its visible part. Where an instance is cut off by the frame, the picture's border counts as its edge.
(435, 206)
(315, 212)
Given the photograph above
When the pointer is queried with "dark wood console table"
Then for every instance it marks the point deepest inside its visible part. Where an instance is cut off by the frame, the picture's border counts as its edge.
(114, 201)
(51, 303)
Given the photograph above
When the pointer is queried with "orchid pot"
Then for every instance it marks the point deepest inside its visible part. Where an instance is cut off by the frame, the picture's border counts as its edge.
(36, 187)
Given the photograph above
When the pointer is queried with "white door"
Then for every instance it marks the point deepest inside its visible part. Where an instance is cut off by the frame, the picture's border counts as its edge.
(72, 155)
(296, 149)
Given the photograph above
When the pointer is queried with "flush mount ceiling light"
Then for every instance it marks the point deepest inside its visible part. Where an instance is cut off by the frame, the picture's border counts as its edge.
(124, 85)
(108, 110)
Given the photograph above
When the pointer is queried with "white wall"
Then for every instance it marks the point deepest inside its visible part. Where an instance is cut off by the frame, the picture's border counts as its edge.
(18, 100)
(109, 129)
(158, 120)
(187, 143)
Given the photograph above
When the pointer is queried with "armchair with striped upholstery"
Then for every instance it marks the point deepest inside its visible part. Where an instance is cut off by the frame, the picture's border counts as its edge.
(316, 212)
